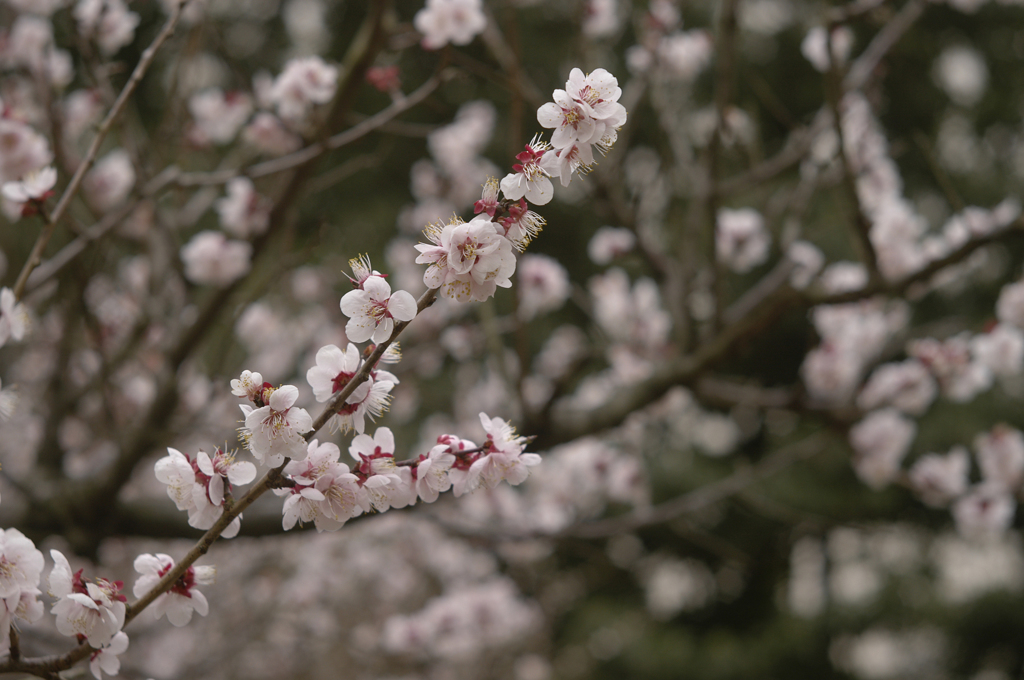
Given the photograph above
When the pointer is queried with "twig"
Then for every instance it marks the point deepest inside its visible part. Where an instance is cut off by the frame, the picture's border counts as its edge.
(313, 151)
(705, 495)
(35, 257)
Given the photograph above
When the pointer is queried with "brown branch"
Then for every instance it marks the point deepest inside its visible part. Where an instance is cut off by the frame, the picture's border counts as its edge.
(313, 151)
(35, 257)
(705, 495)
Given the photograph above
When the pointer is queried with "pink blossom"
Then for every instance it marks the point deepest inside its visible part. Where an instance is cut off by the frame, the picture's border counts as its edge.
(182, 598)
(20, 563)
(92, 609)
(13, 317)
(218, 116)
(608, 243)
(105, 660)
(373, 310)
(543, 285)
(985, 513)
(109, 182)
(880, 442)
(304, 83)
(940, 479)
(450, 21)
(741, 240)
(268, 134)
(467, 259)
(210, 258)
(243, 212)
(1000, 455)
(275, 431)
(432, 473)
(528, 180)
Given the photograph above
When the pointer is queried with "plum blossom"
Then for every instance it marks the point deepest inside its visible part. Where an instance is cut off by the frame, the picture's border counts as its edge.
(275, 431)
(985, 513)
(243, 212)
(373, 310)
(741, 240)
(521, 225)
(92, 609)
(815, 46)
(176, 471)
(684, 54)
(1001, 350)
(940, 479)
(22, 605)
(960, 375)
(334, 369)
(543, 285)
(325, 492)
(381, 483)
(109, 182)
(212, 473)
(607, 243)
(105, 660)
(468, 260)
(20, 564)
(108, 22)
(210, 258)
(13, 317)
(218, 115)
(907, 386)
(304, 83)
(527, 179)
(1010, 305)
(24, 150)
(1000, 455)
(183, 598)
(267, 133)
(571, 120)
(880, 442)
(35, 186)
(249, 385)
(431, 472)
(501, 458)
(568, 161)
(450, 21)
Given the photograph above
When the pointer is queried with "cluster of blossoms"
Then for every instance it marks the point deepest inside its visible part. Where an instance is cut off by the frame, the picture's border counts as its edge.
(328, 492)
(470, 260)
(90, 610)
(202, 486)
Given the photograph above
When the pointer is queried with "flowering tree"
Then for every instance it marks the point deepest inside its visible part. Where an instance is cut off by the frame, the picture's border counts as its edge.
(760, 327)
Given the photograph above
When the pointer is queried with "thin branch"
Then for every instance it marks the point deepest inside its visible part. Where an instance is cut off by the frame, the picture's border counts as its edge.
(705, 495)
(35, 257)
(313, 151)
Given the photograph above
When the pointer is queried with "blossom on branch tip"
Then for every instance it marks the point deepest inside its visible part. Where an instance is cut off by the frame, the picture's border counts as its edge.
(373, 310)
(501, 458)
(182, 598)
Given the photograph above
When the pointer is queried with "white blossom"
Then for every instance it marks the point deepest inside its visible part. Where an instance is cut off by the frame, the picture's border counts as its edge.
(450, 21)
(373, 310)
(182, 598)
(275, 431)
